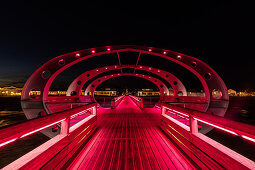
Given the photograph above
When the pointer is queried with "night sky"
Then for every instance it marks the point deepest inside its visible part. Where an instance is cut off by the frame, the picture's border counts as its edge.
(220, 33)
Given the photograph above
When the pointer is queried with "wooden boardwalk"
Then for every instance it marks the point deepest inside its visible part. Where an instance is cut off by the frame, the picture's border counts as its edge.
(129, 138)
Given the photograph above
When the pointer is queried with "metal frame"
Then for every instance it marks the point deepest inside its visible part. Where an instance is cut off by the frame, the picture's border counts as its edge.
(161, 86)
(43, 77)
(83, 78)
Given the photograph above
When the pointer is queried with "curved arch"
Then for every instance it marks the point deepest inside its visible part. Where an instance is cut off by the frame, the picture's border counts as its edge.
(42, 78)
(79, 82)
(161, 86)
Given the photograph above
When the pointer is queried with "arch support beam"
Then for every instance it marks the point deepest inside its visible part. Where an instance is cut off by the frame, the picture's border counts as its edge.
(79, 82)
(161, 86)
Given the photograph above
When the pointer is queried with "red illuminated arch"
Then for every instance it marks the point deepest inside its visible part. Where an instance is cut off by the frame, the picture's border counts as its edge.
(79, 82)
(161, 86)
(43, 77)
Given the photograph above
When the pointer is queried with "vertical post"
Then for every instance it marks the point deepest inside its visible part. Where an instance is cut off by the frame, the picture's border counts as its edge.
(113, 103)
(193, 125)
(94, 110)
(163, 110)
(65, 126)
(141, 102)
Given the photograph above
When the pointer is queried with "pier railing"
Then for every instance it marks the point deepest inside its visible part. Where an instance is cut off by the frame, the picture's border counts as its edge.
(138, 101)
(206, 152)
(116, 101)
(58, 149)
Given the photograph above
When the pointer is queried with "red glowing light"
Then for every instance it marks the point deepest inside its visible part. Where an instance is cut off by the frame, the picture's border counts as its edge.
(106, 68)
(150, 49)
(97, 70)
(179, 57)
(93, 51)
(112, 75)
(150, 68)
(77, 55)
(108, 49)
(141, 67)
(158, 71)
(164, 52)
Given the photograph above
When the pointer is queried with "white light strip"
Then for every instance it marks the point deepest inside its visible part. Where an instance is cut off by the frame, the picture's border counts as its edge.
(248, 138)
(177, 112)
(226, 130)
(7, 142)
(37, 130)
(80, 113)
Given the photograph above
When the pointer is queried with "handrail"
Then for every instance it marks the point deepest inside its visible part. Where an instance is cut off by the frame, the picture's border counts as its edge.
(138, 101)
(116, 101)
(201, 149)
(243, 130)
(12, 133)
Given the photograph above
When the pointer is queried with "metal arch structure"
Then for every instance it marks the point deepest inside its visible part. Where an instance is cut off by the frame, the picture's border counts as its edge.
(79, 82)
(93, 85)
(43, 77)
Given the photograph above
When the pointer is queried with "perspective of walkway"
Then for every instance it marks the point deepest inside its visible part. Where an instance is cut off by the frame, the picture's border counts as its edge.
(129, 138)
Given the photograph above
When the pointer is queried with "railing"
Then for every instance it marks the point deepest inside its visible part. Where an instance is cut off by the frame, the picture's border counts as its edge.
(104, 101)
(150, 101)
(207, 153)
(138, 101)
(116, 101)
(190, 102)
(57, 150)
(56, 104)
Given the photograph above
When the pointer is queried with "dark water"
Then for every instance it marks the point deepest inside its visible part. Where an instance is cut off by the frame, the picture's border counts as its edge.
(240, 109)
(10, 111)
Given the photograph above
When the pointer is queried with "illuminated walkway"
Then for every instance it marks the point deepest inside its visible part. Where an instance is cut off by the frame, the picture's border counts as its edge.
(128, 138)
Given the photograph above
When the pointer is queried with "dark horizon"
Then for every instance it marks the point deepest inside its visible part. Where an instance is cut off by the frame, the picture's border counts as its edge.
(218, 33)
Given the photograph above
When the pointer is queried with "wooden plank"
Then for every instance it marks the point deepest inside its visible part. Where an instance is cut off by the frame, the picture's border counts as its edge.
(110, 150)
(153, 161)
(46, 156)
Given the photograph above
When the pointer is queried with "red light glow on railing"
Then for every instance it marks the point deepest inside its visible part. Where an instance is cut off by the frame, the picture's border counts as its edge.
(179, 57)
(164, 52)
(93, 51)
(7, 142)
(108, 49)
(136, 98)
(226, 130)
(213, 125)
(77, 55)
(175, 111)
(37, 130)
(80, 113)
(150, 50)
